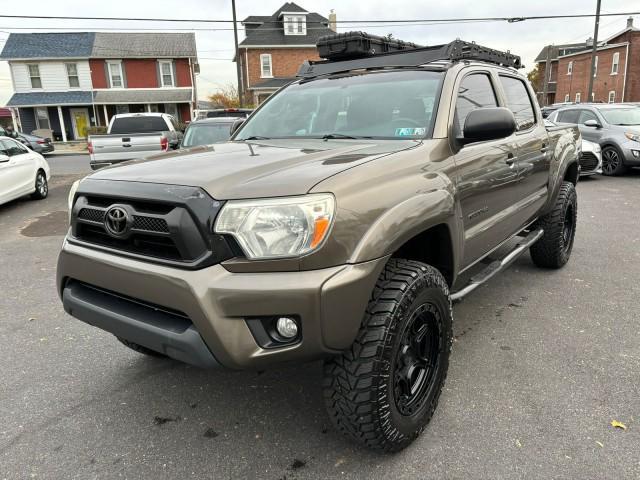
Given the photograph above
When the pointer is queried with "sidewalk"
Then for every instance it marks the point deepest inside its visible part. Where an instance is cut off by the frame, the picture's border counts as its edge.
(69, 148)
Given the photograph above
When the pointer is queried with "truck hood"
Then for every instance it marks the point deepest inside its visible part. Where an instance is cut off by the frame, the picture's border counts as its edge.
(235, 170)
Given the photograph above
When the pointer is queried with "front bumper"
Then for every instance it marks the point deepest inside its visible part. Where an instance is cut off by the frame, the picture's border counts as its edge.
(631, 153)
(216, 303)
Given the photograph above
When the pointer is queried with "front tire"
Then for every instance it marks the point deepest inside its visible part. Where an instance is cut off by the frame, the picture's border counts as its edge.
(554, 248)
(41, 186)
(383, 391)
(612, 163)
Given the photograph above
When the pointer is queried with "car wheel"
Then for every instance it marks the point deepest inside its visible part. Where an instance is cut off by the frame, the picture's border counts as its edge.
(383, 390)
(554, 248)
(140, 349)
(612, 161)
(42, 186)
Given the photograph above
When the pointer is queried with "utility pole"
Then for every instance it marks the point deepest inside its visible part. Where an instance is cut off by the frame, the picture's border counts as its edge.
(593, 52)
(235, 37)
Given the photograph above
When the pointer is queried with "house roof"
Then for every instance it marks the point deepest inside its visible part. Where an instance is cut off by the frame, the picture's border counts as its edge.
(271, 30)
(143, 95)
(118, 45)
(48, 45)
(30, 99)
(273, 83)
(255, 19)
(554, 50)
(98, 45)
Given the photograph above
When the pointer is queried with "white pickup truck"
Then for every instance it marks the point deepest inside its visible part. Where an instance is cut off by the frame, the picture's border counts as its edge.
(134, 135)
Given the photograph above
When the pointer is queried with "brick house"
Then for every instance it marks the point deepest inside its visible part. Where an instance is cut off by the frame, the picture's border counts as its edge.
(275, 46)
(617, 72)
(66, 82)
(547, 61)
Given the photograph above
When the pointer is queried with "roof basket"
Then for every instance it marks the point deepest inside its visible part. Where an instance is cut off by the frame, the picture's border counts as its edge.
(455, 51)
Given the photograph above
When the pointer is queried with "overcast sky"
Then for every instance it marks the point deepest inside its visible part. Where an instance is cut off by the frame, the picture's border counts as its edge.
(215, 48)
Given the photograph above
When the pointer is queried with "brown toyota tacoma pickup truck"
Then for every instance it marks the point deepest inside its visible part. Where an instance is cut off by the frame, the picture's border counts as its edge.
(340, 223)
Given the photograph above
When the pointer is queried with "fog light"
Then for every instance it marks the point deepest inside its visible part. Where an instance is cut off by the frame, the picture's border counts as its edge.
(636, 153)
(287, 327)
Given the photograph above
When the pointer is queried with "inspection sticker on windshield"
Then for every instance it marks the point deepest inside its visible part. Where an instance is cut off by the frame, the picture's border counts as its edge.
(407, 132)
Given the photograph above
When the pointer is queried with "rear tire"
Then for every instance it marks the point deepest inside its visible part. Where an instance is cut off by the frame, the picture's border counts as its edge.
(383, 390)
(554, 248)
(612, 162)
(141, 349)
(41, 186)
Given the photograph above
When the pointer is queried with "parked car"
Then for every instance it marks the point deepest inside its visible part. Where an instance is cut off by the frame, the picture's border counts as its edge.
(208, 131)
(133, 135)
(22, 172)
(335, 224)
(549, 109)
(614, 126)
(590, 159)
(35, 143)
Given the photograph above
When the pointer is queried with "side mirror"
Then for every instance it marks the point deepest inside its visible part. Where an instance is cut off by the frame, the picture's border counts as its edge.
(592, 123)
(489, 123)
(236, 125)
(4, 158)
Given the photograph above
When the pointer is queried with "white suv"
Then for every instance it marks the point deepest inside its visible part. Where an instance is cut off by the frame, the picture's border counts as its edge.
(22, 172)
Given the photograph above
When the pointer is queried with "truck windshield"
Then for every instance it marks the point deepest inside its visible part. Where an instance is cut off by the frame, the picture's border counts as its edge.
(621, 116)
(141, 124)
(388, 105)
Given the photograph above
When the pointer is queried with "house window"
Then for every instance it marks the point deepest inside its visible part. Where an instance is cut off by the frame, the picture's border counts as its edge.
(295, 25)
(72, 75)
(570, 68)
(166, 73)
(550, 72)
(42, 118)
(593, 96)
(615, 65)
(115, 74)
(612, 96)
(578, 97)
(171, 109)
(34, 75)
(566, 98)
(265, 65)
(595, 66)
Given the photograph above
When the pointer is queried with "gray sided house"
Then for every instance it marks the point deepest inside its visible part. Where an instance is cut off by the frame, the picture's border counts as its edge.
(65, 83)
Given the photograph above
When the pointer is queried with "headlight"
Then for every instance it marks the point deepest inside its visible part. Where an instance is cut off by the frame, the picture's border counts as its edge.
(72, 193)
(632, 136)
(278, 227)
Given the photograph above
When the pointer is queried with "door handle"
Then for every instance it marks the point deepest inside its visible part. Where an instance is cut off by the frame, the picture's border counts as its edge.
(544, 148)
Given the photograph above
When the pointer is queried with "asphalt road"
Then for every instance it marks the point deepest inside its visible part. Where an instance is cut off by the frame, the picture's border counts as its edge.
(542, 363)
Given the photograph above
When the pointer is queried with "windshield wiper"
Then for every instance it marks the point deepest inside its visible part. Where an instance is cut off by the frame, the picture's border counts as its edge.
(256, 137)
(332, 136)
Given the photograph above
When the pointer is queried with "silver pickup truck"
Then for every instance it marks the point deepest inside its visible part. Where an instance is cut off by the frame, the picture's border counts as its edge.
(134, 135)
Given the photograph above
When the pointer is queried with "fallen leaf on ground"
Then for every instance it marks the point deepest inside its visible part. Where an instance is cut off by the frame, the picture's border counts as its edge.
(600, 444)
(617, 424)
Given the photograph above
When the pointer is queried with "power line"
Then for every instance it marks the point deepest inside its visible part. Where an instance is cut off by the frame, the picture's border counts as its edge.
(414, 20)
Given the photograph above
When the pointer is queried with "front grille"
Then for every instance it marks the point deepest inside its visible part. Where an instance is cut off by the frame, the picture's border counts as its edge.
(588, 161)
(169, 224)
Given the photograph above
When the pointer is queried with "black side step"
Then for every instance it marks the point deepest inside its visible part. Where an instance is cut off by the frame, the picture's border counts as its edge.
(499, 265)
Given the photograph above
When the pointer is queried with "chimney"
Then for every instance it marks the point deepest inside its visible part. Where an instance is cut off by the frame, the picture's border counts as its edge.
(332, 21)
(629, 22)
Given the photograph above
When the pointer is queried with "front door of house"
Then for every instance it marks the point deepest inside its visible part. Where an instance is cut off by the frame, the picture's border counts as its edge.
(80, 120)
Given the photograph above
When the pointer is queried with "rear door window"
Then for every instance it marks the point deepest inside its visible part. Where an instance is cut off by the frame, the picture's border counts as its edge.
(519, 102)
(12, 148)
(568, 116)
(476, 91)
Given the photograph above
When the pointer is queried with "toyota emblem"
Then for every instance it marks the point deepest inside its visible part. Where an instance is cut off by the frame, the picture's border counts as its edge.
(116, 221)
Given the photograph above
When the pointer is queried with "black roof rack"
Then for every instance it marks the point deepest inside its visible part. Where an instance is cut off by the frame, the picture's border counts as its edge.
(452, 52)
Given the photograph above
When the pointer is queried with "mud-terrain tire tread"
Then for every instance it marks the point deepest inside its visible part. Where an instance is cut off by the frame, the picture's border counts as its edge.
(548, 251)
(351, 385)
(140, 349)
